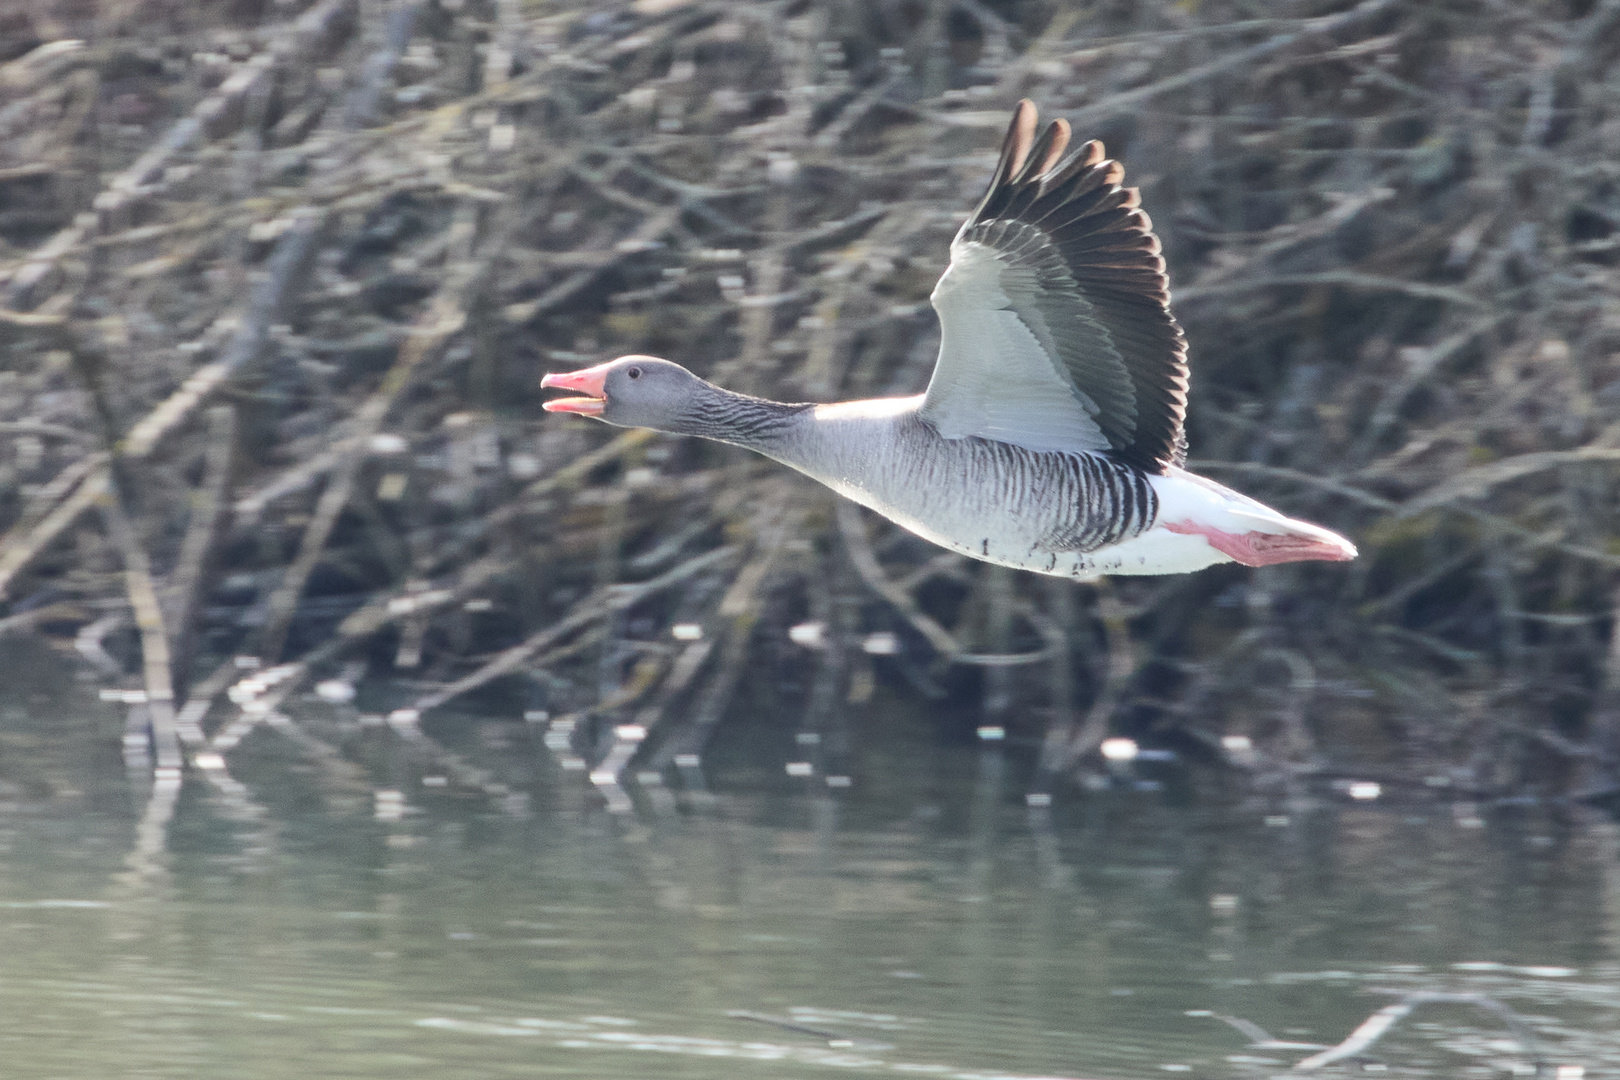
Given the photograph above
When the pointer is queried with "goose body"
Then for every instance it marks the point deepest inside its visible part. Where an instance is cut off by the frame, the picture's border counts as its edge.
(1050, 437)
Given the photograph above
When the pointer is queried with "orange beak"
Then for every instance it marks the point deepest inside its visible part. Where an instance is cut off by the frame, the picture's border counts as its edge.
(588, 382)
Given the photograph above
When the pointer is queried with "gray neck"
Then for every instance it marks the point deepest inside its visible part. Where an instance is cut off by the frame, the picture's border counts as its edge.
(739, 419)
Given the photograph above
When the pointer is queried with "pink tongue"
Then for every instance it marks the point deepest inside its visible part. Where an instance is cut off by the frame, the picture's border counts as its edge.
(1263, 549)
(583, 406)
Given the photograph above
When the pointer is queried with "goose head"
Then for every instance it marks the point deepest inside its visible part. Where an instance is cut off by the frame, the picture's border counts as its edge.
(632, 391)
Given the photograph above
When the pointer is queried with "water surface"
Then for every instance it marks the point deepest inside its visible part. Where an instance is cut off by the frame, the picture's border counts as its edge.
(922, 922)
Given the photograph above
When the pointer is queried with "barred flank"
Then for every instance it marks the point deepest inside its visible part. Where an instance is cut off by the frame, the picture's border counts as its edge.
(1097, 501)
(1088, 501)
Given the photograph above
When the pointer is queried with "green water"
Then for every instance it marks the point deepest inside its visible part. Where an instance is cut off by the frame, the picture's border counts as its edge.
(923, 922)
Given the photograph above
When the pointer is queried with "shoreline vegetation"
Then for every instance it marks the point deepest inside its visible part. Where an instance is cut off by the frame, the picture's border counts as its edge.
(278, 282)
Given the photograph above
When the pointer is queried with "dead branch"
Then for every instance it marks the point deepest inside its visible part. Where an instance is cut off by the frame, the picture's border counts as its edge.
(861, 556)
(207, 517)
(17, 551)
(304, 35)
(444, 316)
(604, 601)
(1327, 24)
(156, 663)
(247, 344)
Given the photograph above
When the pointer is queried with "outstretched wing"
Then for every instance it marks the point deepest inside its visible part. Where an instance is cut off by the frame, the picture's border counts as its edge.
(1055, 312)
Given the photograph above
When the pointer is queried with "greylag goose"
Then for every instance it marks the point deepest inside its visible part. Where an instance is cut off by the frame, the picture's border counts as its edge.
(1050, 436)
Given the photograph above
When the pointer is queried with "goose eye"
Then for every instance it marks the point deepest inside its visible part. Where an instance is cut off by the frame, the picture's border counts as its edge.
(634, 373)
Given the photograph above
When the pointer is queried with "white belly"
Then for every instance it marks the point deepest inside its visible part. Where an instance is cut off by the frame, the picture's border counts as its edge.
(1157, 551)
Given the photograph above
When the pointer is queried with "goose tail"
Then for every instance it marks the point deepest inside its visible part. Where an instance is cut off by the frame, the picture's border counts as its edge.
(1240, 528)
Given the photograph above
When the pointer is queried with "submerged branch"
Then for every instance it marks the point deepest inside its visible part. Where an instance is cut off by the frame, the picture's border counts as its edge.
(1378, 1025)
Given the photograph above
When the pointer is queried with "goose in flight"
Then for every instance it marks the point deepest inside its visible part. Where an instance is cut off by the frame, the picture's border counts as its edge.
(1050, 436)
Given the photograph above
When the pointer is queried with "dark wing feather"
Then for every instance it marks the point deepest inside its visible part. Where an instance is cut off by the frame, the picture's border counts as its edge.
(1080, 266)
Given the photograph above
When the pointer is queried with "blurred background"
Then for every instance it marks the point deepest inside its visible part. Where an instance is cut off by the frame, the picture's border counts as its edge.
(281, 514)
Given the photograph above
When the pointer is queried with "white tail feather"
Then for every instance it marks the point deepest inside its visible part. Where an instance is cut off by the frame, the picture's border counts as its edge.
(1241, 528)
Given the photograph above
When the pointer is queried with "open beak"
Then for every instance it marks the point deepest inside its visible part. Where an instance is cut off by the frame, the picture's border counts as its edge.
(587, 381)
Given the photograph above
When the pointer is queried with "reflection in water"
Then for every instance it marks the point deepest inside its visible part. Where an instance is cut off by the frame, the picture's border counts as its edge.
(922, 921)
